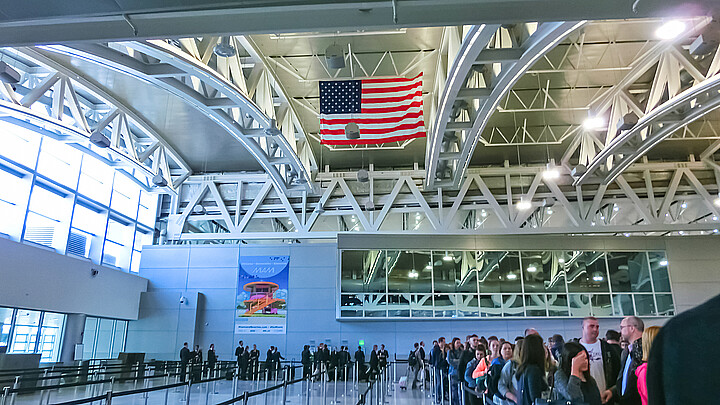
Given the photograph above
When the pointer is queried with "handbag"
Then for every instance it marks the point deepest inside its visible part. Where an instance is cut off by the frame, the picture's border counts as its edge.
(559, 401)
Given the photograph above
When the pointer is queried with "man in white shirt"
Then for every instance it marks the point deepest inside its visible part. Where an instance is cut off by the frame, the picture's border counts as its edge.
(604, 364)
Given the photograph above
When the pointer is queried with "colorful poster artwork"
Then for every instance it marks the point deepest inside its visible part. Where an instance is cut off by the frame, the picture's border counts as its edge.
(261, 302)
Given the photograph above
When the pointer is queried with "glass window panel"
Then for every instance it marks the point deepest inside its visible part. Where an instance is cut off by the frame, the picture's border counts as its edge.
(96, 180)
(398, 305)
(25, 332)
(623, 305)
(118, 246)
(104, 337)
(51, 336)
(467, 269)
(543, 271)
(19, 144)
(629, 272)
(499, 272)
(409, 272)
(142, 238)
(535, 305)
(659, 266)
(557, 305)
(91, 324)
(491, 305)
(135, 264)
(59, 162)
(119, 339)
(513, 305)
(352, 270)
(375, 305)
(6, 319)
(467, 305)
(14, 193)
(445, 305)
(586, 272)
(421, 305)
(351, 304)
(601, 305)
(52, 204)
(665, 305)
(644, 304)
(125, 196)
(147, 209)
(446, 270)
(580, 305)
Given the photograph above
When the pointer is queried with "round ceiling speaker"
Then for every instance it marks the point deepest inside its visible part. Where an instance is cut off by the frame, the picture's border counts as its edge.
(363, 176)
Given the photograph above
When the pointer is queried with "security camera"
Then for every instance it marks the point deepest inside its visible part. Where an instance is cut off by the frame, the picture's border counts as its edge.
(94, 272)
(183, 300)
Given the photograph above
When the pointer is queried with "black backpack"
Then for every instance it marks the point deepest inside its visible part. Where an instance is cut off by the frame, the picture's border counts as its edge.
(412, 361)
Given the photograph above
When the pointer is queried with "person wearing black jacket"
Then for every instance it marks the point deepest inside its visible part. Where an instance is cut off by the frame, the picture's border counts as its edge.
(185, 357)
(374, 362)
(608, 360)
(360, 362)
(254, 362)
(531, 371)
(269, 363)
(306, 360)
(239, 351)
(276, 357)
(682, 365)
(343, 360)
(438, 362)
(467, 356)
(244, 362)
(625, 391)
(211, 359)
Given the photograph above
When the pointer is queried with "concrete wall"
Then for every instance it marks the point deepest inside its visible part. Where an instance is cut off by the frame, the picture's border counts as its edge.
(209, 274)
(34, 277)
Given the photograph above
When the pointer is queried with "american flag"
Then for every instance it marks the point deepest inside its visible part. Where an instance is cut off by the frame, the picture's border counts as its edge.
(385, 109)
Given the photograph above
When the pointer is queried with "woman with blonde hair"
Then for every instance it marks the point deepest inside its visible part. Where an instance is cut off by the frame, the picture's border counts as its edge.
(641, 372)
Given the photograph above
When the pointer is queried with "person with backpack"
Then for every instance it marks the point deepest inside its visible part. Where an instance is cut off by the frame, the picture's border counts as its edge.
(413, 367)
(496, 366)
(473, 382)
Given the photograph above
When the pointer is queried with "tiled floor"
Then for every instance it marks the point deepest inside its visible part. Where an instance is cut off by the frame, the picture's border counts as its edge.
(214, 393)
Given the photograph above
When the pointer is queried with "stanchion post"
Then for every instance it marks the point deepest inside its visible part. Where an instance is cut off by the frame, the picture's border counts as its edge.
(285, 382)
(108, 398)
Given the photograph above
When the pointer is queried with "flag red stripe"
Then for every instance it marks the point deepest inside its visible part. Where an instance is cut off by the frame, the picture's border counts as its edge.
(420, 134)
(391, 109)
(389, 79)
(327, 121)
(392, 89)
(374, 131)
(391, 99)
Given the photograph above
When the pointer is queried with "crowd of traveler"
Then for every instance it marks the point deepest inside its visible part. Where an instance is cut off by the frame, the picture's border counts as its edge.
(587, 370)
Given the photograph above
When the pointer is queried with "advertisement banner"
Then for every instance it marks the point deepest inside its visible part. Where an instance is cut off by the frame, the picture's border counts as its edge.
(261, 302)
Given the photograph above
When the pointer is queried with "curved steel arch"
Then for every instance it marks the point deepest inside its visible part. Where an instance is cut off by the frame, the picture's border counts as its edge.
(513, 62)
(229, 107)
(146, 151)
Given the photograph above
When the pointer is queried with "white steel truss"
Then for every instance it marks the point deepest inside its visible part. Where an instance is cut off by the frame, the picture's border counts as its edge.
(57, 101)
(649, 198)
(222, 93)
(641, 113)
(491, 59)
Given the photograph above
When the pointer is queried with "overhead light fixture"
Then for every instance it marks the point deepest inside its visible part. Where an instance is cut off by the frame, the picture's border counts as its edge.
(335, 57)
(447, 257)
(549, 211)
(523, 205)
(561, 260)
(715, 218)
(413, 274)
(336, 34)
(670, 29)
(428, 267)
(551, 172)
(363, 176)
(224, 48)
(353, 219)
(598, 277)
(616, 208)
(511, 276)
(531, 268)
(715, 230)
(8, 74)
(369, 206)
(663, 262)
(683, 205)
(289, 222)
(483, 213)
(717, 204)
(100, 140)
(594, 123)
(682, 232)
(352, 131)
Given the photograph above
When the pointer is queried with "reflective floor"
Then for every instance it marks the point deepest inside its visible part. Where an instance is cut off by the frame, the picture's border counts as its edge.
(321, 393)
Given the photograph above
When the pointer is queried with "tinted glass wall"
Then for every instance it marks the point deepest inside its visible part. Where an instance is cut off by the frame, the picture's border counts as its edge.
(485, 284)
(26, 331)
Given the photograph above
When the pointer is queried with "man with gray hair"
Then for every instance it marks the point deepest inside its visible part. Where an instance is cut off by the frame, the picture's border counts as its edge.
(625, 391)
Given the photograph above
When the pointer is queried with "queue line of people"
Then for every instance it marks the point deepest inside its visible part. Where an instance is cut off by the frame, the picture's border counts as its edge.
(586, 370)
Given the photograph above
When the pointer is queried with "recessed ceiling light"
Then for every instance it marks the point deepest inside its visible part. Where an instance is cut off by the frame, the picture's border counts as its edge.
(523, 205)
(670, 29)
(594, 123)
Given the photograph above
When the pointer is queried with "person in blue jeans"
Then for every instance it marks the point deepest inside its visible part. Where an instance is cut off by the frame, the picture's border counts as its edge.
(439, 364)
(453, 359)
